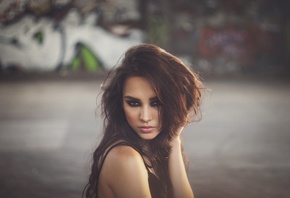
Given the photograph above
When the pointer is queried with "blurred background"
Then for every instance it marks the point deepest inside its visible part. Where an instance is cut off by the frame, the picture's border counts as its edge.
(213, 36)
(54, 55)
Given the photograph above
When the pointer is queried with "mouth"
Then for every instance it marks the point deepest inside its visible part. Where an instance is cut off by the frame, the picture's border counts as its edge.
(146, 129)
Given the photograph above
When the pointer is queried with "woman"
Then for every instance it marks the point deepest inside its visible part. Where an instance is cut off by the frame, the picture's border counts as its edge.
(146, 103)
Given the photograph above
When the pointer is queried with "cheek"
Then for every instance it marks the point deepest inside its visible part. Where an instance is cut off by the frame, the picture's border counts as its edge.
(131, 115)
(158, 118)
(156, 114)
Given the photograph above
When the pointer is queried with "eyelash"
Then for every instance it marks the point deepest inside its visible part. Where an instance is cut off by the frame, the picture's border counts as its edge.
(133, 103)
(137, 104)
(155, 103)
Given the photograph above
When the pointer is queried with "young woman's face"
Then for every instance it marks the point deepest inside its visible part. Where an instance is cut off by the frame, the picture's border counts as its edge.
(141, 107)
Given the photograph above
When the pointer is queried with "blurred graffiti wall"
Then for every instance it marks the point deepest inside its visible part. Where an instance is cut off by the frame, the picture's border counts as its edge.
(213, 36)
(48, 35)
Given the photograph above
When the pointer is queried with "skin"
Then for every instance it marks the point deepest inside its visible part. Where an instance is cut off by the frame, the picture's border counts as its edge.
(141, 107)
(124, 174)
(177, 171)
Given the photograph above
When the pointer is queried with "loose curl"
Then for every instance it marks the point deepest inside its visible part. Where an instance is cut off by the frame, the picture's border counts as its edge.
(179, 92)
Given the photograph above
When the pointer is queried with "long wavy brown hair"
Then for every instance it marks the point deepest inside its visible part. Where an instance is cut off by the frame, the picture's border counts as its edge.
(179, 91)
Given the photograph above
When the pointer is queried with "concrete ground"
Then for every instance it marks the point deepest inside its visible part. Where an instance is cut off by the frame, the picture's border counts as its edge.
(240, 148)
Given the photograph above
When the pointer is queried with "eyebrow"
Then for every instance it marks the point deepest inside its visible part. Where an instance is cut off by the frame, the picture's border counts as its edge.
(131, 98)
(136, 99)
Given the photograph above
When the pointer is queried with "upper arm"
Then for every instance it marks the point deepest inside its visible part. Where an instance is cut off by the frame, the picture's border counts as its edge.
(127, 174)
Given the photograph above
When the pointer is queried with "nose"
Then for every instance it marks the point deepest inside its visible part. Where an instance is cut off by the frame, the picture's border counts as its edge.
(145, 114)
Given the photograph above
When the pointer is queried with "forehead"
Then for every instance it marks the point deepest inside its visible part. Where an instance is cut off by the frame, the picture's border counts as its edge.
(138, 87)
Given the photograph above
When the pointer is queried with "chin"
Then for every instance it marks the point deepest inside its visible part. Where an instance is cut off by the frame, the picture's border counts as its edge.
(147, 136)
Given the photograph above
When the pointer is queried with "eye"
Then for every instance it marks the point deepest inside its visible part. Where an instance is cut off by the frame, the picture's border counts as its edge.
(133, 103)
(155, 103)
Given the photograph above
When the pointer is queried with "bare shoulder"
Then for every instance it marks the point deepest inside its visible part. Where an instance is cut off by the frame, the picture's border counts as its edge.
(124, 172)
(124, 151)
(124, 157)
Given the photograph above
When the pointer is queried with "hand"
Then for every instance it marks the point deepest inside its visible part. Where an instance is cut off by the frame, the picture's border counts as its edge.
(176, 140)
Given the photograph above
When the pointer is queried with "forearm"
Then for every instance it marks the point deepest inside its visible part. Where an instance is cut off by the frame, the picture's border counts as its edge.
(178, 176)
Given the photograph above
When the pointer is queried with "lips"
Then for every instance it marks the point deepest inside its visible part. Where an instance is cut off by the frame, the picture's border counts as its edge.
(146, 129)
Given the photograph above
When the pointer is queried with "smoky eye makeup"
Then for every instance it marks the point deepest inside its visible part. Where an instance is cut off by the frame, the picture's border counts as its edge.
(155, 102)
(133, 102)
